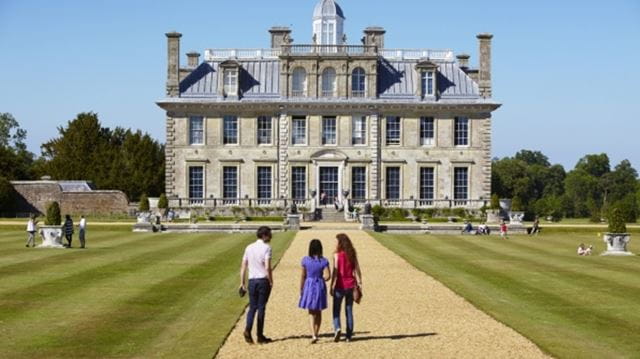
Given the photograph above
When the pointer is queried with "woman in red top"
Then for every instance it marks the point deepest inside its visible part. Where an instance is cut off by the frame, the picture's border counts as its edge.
(345, 278)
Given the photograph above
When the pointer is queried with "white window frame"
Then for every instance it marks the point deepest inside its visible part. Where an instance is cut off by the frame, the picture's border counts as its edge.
(304, 187)
(192, 131)
(358, 76)
(428, 83)
(224, 129)
(196, 200)
(386, 182)
(458, 135)
(328, 119)
(228, 200)
(427, 141)
(297, 82)
(261, 186)
(461, 201)
(329, 80)
(353, 187)
(386, 132)
(420, 184)
(293, 132)
(269, 131)
(230, 81)
(359, 133)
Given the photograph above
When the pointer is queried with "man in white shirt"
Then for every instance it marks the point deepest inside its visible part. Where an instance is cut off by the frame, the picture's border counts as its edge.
(83, 228)
(31, 230)
(257, 258)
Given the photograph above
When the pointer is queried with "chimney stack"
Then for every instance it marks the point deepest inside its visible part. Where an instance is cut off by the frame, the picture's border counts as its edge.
(463, 61)
(173, 63)
(193, 59)
(374, 36)
(280, 35)
(484, 71)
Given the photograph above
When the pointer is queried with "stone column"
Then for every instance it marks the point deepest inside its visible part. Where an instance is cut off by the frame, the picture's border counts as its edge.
(283, 155)
(374, 36)
(193, 59)
(486, 158)
(280, 35)
(374, 120)
(463, 61)
(173, 64)
(484, 73)
(170, 157)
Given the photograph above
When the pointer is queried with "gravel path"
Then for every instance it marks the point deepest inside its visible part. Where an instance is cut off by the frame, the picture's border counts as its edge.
(404, 314)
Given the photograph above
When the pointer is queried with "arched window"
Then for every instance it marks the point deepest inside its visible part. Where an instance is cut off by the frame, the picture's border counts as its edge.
(329, 82)
(299, 82)
(358, 82)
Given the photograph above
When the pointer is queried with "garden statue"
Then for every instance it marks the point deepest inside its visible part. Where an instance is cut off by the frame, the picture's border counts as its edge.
(293, 209)
(367, 208)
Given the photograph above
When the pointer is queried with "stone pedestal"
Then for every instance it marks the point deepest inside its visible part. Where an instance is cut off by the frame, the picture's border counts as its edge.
(515, 217)
(144, 223)
(368, 223)
(617, 244)
(51, 237)
(493, 216)
(293, 222)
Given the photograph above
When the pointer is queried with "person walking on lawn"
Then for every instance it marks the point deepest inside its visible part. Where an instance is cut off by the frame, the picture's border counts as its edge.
(83, 230)
(68, 229)
(503, 230)
(31, 230)
(257, 259)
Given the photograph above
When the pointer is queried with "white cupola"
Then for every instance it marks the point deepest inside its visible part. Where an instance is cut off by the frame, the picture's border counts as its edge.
(328, 23)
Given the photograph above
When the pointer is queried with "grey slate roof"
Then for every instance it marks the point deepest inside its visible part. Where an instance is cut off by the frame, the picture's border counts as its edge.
(397, 79)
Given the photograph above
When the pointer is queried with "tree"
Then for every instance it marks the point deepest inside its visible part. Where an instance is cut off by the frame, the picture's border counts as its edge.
(595, 165)
(15, 160)
(163, 202)
(7, 195)
(53, 217)
(533, 158)
(143, 206)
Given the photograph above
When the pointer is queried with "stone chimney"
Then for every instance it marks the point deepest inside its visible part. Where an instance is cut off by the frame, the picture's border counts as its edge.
(173, 64)
(374, 36)
(484, 71)
(463, 61)
(280, 35)
(193, 59)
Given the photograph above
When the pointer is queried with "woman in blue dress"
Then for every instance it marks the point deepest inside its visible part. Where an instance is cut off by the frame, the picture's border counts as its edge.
(313, 290)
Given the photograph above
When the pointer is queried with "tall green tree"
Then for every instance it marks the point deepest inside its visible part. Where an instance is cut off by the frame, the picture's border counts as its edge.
(15, 160)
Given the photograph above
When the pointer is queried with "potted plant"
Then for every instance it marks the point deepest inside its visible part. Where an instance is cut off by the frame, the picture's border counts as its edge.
(517, 211)
(617, 238)
(51, 232)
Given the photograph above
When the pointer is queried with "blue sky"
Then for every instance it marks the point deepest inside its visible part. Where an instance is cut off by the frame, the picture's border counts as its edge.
(567, 72)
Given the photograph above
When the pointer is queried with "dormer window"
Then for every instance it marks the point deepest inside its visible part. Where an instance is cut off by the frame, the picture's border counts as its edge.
(230, 78)
(427, 71)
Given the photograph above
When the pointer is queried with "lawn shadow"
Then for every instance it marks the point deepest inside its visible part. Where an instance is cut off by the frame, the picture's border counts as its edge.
(307, 337)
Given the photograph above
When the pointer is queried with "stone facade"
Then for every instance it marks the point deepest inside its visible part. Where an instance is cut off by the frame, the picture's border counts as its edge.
(393, 85)
(79, 198)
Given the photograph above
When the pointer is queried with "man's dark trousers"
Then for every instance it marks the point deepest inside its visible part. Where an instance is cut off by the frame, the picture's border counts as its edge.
(259, 291)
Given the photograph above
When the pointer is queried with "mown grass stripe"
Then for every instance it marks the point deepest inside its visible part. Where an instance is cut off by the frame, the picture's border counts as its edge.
(14, 304)
(557, 324)
(145, 315)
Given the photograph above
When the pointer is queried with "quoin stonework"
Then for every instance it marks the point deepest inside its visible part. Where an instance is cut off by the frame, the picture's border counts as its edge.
(358, 122)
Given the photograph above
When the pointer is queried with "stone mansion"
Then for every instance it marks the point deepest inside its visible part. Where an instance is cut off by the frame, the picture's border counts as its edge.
(297, 122)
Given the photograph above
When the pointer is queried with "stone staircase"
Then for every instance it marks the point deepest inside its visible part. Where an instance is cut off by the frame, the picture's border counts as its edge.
(330, 214)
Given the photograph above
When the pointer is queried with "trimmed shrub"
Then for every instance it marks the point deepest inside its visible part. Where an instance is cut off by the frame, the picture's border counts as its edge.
(378, 211)
(495, 201)
(7, 195)
(163, 202)
(53, 217)
(459, 212)
(616, 221)
(143, 206)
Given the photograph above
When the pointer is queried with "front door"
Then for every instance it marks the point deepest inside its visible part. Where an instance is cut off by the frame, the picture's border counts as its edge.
(329, 184)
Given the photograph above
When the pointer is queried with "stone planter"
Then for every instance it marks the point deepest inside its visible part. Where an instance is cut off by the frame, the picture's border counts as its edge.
(617, 244)
(293, 221)
(515, 217)
(367, 222)
(493, 216)
(51, 237)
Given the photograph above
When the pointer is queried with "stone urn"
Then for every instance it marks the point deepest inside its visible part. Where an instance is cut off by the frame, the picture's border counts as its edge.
(617, 244)
(515, 217)
(51, 237)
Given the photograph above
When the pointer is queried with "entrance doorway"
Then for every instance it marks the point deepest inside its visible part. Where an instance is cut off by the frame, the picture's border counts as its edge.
(329, 183)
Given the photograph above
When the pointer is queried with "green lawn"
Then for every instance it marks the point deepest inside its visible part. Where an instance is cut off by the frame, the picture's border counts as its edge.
(571, 306)
(127, 295)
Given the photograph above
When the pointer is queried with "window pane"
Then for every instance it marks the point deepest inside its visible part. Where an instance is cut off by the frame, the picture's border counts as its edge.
(328, 130)
(358, 82)
(426, 131)
(426, 183)
(230, 182)
(196, 130)
(393, 130)
(460, 184)
(426, 83)
(298, 182)
(230, 130)
(393, 182)
(299, 82)
(196, 182)
(328, 82)
(299, 131)
(230, 81)
(264, 130)
(359, 182)
(461, 131)
(264, 182)
(359, 130)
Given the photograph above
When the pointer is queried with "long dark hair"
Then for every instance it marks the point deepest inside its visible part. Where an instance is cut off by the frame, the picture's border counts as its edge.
(315, 248)
(345, 245)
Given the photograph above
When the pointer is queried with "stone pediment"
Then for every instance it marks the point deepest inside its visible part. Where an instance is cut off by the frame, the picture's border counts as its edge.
(329, 155)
